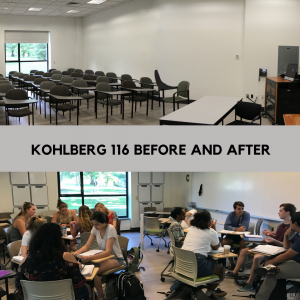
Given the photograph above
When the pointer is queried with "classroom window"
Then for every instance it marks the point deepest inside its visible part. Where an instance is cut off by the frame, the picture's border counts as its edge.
(89, 188)
(23, 57)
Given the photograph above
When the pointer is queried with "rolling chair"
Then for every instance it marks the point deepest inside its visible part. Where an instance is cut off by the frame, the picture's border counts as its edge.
(171, 262)
(152, 228)
(50, 290)
(185, 270)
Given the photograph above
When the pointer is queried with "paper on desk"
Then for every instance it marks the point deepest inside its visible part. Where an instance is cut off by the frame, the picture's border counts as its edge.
(220, 250)
(18, 258)
(248, 235)
(226, 231)
(233, 232)
(87, 270)
(91, 252)
(269, 249)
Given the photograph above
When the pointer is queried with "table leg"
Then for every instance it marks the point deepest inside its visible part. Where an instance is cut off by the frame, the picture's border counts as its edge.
(152, 102)
(96, 97)
(132, 105)
(50, 97)
(6, 287)
(32, 115)
(122, 104)
(56, 113)
(147, 102)
(106, 108)
(77, 112)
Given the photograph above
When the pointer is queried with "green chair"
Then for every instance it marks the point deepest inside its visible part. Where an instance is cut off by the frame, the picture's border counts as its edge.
(152, 228)
(54, 72)
(185, 270)
(111, 76)
(4, 88)
(71, 70)
(66, 73)
(126, 77)
(182, 94)
(89, 72)
(56, 77)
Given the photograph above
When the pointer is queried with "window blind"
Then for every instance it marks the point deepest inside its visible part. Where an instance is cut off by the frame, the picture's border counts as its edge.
(12, 36)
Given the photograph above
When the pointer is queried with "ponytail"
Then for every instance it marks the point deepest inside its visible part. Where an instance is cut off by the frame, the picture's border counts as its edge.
(61, 204)
(25, 206)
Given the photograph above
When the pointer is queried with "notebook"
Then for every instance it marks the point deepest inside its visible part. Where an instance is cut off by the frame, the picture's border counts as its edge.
(18, 258)
(269, 249)
(4, 273)
(91, 252)
(233, 232)
(87, 270)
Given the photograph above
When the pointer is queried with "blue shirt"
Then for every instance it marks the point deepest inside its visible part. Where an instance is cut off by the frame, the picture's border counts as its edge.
(232, 222)
(296, 247)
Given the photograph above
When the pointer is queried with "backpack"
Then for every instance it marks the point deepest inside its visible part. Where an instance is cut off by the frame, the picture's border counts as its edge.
(279, 292)
(130, 287)
(134, 258)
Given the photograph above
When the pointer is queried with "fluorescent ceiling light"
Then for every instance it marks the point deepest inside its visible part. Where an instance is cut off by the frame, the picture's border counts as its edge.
(5, 8)
(72, 12)
(96, 1)
(34, 9)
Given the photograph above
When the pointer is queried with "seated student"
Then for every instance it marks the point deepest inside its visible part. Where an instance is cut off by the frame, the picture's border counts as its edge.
(20, 222)
(201, 239)
(84, 224)
(237, 220)
(112, 215)
(177, 216)
(189, 216)
(48, 261)
(276, 239)
(107, 239)
(64, 215)
(34, 224)
(288, 262)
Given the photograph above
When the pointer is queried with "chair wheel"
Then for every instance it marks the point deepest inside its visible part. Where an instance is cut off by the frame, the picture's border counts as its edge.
(163, 279)
(152, 244)
(139, 247)
(166, 246)
(157, 250)
(168, 252)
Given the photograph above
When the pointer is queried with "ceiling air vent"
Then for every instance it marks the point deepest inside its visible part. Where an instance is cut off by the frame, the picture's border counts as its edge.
(10, 1)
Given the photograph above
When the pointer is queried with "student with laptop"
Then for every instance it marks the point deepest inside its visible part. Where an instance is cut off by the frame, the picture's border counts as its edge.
(177, 216)
(237, 220)
(273, 238)
(288, 263)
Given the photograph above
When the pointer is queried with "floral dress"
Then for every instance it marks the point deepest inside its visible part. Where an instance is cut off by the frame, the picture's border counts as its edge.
(58, 269)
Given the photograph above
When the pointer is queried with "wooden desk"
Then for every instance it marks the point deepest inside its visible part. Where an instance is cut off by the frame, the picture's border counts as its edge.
(254, 253)
(96, 261)
(90, 278)
(222, 255)
(209, 110)
(281, 97)
(186, 230)
(291, 119)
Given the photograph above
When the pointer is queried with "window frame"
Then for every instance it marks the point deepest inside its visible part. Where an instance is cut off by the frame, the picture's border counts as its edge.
(19, 61)
(82, 195)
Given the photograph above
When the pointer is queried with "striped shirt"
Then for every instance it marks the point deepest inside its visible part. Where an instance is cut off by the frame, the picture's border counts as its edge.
(177, 231)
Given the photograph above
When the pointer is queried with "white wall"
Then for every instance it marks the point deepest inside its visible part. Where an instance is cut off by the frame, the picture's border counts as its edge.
(185, 40)
(261, 192)
(65, 35)
(268, 24)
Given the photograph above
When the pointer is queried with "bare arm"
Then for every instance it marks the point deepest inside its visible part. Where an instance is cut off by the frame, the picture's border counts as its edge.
(74, 216)
(54, 218)
(105, 253)
(286, 241)
(72, 228)
(187, 221)
(70, 258)
(114, 223)
(87, 246)
(24, 250)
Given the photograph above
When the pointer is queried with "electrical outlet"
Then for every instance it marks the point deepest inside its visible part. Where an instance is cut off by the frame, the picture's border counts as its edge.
(136, 198)
(251, 96)
(256, 98)
(262, 97)
(247, 95)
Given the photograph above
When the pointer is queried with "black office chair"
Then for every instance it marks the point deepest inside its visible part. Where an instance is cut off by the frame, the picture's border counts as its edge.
(161, 85)
(248, 111)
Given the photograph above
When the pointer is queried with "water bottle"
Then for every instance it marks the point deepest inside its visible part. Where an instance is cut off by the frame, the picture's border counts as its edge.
(64, 231)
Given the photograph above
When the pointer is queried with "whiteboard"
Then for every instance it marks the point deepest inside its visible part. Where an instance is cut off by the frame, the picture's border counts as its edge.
(19, 178)
(157, 177)
(261, 192)
(39, 194)
(21, 194)
(37, 178)
(144, 193)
